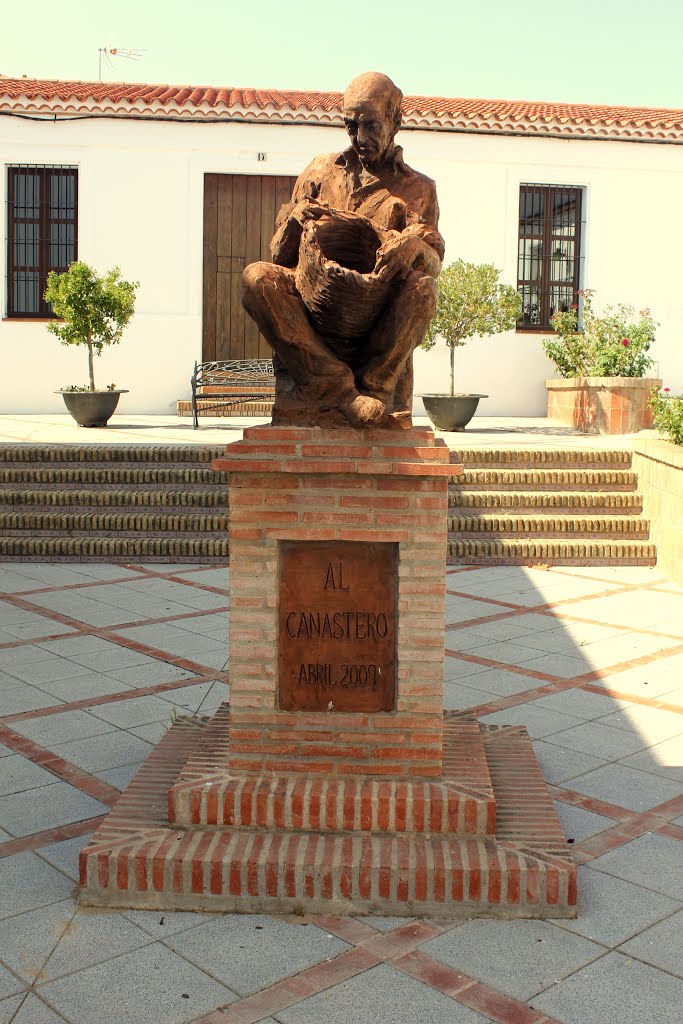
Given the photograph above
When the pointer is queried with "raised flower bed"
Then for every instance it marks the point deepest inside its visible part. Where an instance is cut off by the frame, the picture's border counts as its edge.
(602, 405)
(603, 389)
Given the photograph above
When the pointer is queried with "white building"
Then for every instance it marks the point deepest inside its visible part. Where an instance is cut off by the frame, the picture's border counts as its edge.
(179, 187)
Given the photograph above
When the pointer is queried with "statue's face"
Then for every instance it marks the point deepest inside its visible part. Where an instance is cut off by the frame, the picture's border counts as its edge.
(370, 129)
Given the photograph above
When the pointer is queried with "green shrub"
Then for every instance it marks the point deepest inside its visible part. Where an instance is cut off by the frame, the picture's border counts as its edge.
(471, 301)
(668, 414)
(94, 310)
(613, 345)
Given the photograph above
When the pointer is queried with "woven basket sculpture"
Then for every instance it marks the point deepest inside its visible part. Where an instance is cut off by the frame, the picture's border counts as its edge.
(334, 275)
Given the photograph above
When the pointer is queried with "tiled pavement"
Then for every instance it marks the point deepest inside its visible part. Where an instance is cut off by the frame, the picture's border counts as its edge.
(95, 661)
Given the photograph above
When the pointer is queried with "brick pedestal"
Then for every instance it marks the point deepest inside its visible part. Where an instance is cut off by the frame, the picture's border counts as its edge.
(334, 781)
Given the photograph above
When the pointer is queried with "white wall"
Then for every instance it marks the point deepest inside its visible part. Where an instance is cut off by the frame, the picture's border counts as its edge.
(140, 206)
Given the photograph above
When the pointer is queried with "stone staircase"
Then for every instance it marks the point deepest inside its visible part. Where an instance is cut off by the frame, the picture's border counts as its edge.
(556, 507)
(119, 503)
(158, 503)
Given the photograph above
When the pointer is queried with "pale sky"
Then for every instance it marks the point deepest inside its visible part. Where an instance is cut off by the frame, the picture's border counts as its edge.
(595, 51)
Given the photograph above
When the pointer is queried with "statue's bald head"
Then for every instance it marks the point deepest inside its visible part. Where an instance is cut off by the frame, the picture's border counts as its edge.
(372, 117)
(371, 87)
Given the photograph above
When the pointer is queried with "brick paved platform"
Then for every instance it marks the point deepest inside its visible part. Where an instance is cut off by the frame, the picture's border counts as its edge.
(135, 859)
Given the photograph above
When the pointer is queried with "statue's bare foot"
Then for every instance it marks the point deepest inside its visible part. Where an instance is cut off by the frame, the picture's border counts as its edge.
(363, 411)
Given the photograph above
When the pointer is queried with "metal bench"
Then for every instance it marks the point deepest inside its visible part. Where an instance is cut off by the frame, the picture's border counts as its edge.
(232, 382)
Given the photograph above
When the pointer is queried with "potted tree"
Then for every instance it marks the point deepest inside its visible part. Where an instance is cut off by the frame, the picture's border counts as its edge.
(603, 363)
(94, 311)
(471, 301)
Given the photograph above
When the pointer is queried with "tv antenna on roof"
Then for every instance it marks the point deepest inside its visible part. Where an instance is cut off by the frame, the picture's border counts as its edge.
(107, 52)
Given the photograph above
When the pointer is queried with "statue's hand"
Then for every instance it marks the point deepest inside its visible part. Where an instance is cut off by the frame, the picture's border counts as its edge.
(397, 256)
(308, 209)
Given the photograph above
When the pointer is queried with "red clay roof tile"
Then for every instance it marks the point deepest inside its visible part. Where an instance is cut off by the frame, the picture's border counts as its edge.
(114, 97)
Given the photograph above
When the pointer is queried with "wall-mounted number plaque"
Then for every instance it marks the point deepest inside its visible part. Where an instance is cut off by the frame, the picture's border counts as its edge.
(337, 626)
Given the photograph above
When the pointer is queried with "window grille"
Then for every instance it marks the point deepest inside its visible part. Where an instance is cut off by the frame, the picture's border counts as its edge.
(549, 260)
(42, 233)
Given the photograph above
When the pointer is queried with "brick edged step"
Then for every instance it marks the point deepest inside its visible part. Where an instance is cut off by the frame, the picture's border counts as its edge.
(113, 549)
(555, 506)
(548, 479)
(564, 502)
(551, 552)
(541, 458)
(116, 503)
(576, 526)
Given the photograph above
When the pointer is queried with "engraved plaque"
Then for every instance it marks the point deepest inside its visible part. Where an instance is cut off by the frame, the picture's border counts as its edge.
(337, 626)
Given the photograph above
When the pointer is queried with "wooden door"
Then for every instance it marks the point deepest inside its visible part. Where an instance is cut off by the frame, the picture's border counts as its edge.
(239, 222)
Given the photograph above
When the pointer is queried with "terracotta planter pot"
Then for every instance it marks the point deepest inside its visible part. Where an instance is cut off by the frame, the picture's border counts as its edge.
(91, 408)
(451, 412)
(602, 405)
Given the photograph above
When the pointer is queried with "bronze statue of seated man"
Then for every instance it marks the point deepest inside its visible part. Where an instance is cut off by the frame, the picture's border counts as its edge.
(351, 289)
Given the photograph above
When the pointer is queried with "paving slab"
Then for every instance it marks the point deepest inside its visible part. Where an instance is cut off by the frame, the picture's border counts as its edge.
(120, 777)
(538, 721)
(24, 697)
(599, 741)
(111, 750)
(34, 1011)
(615, 988)
(59, 939)
(152, 985)
(626, 787)
(135, 711)
(90, 685)
(64, 855)
(160, 924)
(651, 724)
(458, 697)
(27, 882)
(60, 728)
(612, 910)
(37, 672)
(248, 952)
(661, 945)
(19, 774)
(382, 995)
(503, 682)
(519, 958)
(47, 808)
(9, 984)
(651, 860)
(149, 674)
(581, 704)
(9, 1007)
(578, 823)
(665, 759)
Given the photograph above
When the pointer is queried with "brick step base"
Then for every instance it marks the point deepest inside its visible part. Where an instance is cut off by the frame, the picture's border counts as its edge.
(541, 458)
(163, 455)
(564, 502)
(205, 407)
(460, 802)
(73, 502)
(597, 527)
(118, 476)
(164, 502)
(548, 479)
(136, 859)
(122, 523)
(550, 552)
(112, 549)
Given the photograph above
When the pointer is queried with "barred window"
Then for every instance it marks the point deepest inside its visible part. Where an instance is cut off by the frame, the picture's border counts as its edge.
(549, 261)
(42, 233)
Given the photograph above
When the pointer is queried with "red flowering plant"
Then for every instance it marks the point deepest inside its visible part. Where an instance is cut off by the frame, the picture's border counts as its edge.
(613, 345)
(667, 412)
